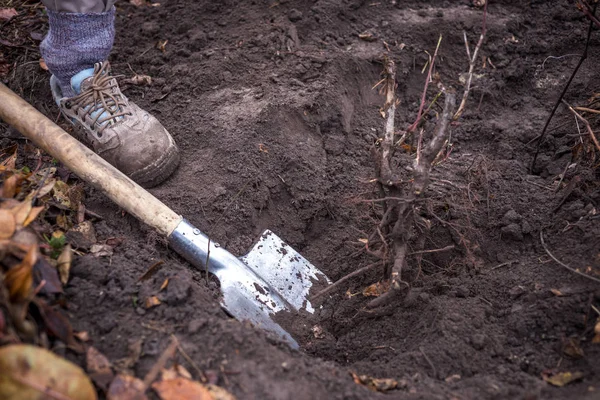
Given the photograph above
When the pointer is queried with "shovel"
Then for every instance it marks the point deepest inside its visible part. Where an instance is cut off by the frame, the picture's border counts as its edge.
(271, 278)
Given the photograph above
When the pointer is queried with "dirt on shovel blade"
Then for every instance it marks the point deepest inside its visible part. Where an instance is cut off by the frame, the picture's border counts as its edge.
(273, 107)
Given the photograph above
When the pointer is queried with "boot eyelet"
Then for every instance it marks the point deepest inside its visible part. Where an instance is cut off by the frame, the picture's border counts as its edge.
(68, 105)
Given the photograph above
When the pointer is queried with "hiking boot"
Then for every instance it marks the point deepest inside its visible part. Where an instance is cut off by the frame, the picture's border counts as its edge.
(115, 128)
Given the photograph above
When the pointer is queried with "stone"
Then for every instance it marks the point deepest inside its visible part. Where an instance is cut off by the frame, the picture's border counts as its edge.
(512, 232)
(294, 15)
(478, 341)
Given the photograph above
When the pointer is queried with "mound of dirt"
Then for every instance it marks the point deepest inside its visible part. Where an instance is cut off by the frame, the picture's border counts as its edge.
(272, 104)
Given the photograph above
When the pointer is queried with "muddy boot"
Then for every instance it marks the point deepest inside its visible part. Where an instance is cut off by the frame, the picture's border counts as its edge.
(119, 131)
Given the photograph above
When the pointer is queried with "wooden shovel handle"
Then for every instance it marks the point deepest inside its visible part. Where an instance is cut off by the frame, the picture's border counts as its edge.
(86, 164)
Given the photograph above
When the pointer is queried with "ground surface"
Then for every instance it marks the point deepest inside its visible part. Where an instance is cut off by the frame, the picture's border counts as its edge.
(273, 108)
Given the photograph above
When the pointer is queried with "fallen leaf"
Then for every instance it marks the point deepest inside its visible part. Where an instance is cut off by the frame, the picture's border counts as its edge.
(137, 3)
(126, 387)
(101, 250)
(64, 264)
(176, 371)
(9, 187)
(181, 389)
(367, 37)
(556, 292)
(82, 235)
(218, 393)
(377, 385)
(152, 302)
(262, 148)
(84, 336)
(376, 289)
(30, 372)
(99, 369)
(19, 278)
(562, 378)
(57, 325)
(573, 349)
(164, 285)
(21, 212)
(7, 224)
(139, 80)
(162, 45)
(151, 271)
(96, 361)
(7, 13)
(44, 271)
(33, 214)
(318, 332)
(43, 64)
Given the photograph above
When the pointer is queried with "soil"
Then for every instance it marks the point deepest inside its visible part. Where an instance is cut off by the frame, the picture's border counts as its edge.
(273, 107)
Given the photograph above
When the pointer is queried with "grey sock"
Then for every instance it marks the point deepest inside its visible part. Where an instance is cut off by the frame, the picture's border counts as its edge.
(76, 42)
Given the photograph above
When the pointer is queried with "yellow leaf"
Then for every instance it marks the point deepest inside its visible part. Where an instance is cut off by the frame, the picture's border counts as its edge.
(363, 240)
(7, 224)
(64, 264)
(562, 378)
(164, 285)
(31, 373)
(181, 389)
(43, 64)
(33, 214)
(19, 278)
(9, 187)
(376, 289)
(21, 212)
(218, 393)
(152, 302)
(176, 371)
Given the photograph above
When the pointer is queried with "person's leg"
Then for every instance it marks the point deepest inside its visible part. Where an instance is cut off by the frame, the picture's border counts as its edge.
(76, 50)
(81, 34)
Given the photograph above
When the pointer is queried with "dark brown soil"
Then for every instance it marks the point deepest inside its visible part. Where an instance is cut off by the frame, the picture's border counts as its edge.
(273, 108)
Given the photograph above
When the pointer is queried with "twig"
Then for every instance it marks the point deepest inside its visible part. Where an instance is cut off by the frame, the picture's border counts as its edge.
(390, 110)
(424, 95)
(504, 264)
(586, 123)
(563, 264)
(581, 60)
(346, 278)
(160, 364)
(472, 62)
(192, 363)
(435, 375)
(451, 247)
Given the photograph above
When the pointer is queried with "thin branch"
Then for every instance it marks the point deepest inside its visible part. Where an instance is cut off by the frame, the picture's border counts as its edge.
(472, 62)
(586, 123)
(337, 283)
(451, 247)
(563, 264)
(562, 95)
(424, 95)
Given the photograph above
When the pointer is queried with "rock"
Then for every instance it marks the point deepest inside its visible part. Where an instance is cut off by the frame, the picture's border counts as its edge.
(526, 228)
(516, 292)
(512, 232)
(478, 341)
(294, 15)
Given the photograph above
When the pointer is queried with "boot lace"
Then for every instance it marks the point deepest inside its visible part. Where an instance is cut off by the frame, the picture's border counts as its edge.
(100, 101)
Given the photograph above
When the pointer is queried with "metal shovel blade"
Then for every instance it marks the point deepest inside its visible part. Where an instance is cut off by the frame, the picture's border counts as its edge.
(271, 278)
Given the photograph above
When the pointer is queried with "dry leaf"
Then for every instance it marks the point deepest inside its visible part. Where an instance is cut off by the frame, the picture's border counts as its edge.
(181, 389)
(101, 250)
(19, 278)
(57, 325)
(126, 387)
(376, 289)
(318, 332)
(367, 37)
(140, 80)
(84, 336)
(573, 349)
(137, 3)
(164, 285)
(377, 385)
(218, 393)
(21, 212)
(556, 292)
(43, 64)
(27, 371)
(33, 214)
(64, 264)
(7, 224)
(96, 361)
(7, 13)
(176, 371)
(9, 187)
(152, 302)
(99, 368)
(44, 271)
(562, 378)
(162, 45)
